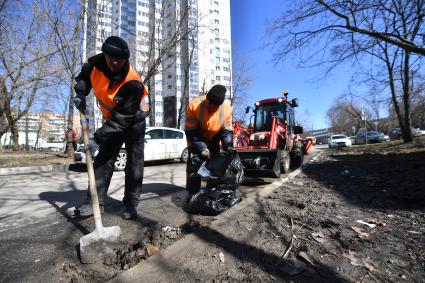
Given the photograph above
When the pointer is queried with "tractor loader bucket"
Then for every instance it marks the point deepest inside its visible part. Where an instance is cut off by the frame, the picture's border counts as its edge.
(260, 162)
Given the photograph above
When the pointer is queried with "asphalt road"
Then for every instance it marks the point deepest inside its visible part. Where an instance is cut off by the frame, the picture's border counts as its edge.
(37, 226)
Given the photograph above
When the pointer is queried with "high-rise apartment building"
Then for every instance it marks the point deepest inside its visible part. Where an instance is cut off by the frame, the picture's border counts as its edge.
(151, 27)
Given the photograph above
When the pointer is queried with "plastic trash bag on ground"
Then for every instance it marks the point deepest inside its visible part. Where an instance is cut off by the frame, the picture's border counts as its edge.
(213, 201)
(223, 173)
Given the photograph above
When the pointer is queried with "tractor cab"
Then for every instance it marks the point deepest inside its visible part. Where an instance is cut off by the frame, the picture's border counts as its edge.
(264, 112)
(266, 109)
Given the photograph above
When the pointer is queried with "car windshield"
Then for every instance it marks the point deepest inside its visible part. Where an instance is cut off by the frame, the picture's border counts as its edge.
(263, 117)
(373, 133)
(338, 137)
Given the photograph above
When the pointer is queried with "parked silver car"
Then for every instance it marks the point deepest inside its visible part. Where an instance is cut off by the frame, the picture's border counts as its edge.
(372, 137)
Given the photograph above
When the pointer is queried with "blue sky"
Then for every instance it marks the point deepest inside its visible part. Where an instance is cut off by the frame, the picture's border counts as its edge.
(249, 20)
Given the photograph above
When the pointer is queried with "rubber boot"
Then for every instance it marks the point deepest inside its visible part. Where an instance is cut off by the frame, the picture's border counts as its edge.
(129, 213)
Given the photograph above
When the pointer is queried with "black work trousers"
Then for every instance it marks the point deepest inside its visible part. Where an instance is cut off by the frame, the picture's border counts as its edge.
(194, 162)
(134, 139)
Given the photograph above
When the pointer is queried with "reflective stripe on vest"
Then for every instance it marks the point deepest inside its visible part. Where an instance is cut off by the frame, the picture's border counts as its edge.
(105, 95)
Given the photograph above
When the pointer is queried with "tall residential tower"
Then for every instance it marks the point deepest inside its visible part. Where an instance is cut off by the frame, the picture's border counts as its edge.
(151, 27)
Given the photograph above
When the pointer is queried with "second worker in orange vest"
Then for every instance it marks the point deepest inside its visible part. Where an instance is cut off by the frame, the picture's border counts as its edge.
(119, 92)
(208, 125)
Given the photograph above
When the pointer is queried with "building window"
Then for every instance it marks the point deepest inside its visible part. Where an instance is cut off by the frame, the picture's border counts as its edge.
(217, 78)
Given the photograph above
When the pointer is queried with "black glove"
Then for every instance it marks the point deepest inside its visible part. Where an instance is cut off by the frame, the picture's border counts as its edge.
(92, 146)
(80, 102)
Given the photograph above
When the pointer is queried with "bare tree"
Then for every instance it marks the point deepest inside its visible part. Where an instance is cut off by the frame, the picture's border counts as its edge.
(66, 20)
(241, 80)
(418, 105)
(188, 45)
(346, 113)
(357, 32)
(25, 66)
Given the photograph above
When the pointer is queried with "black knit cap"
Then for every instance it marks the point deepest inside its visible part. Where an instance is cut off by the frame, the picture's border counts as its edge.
(217, 94)
(116, 47)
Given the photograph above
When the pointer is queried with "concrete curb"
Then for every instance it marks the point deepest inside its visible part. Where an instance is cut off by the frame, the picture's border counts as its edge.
(160, 267)
(34, 169)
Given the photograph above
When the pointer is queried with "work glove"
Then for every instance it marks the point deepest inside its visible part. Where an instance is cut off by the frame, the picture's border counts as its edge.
(80, 102)
(205, 154)
(92, 146)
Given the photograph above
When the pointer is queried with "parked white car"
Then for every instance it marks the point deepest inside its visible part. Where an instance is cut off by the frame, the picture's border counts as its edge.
(161, 143)
(339, 141)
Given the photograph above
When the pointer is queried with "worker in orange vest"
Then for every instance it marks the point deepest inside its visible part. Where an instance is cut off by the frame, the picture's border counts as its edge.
(208, 123)
(120, 95)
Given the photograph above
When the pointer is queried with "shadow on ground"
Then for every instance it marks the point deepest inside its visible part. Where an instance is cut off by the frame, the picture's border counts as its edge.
(373, 180)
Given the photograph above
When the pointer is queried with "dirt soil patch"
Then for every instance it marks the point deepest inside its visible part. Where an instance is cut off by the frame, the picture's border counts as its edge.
(33, 158)
(352, 215)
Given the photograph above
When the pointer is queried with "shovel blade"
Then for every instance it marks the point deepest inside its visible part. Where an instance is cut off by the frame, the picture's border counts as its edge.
(99, 244)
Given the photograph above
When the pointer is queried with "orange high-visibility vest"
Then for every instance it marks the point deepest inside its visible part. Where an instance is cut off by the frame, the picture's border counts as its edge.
(209, 124)
(105, 95)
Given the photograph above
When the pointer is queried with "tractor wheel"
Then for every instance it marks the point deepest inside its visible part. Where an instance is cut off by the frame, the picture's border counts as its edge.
(285, 161)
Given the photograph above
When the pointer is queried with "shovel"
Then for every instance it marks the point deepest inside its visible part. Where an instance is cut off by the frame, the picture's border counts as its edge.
(97, 244)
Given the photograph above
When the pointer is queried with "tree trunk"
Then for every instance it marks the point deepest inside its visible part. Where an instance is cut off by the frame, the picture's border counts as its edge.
(407, 134)
(151, 98)
(69, 148)
(14, 134)
(27, 146)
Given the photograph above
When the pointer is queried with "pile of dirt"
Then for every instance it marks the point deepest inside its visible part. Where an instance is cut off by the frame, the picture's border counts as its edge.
(10, 159)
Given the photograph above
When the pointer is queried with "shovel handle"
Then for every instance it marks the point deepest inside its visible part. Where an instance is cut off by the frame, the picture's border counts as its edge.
(90, 171)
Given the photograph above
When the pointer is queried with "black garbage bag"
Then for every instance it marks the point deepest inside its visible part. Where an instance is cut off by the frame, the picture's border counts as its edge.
(213, 201)
(224, 168)
(226, 174)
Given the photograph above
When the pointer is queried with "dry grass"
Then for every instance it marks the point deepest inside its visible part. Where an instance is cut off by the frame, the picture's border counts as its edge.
(23, 159)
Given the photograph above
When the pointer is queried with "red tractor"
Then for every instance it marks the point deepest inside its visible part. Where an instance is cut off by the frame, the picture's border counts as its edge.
(272, 144)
